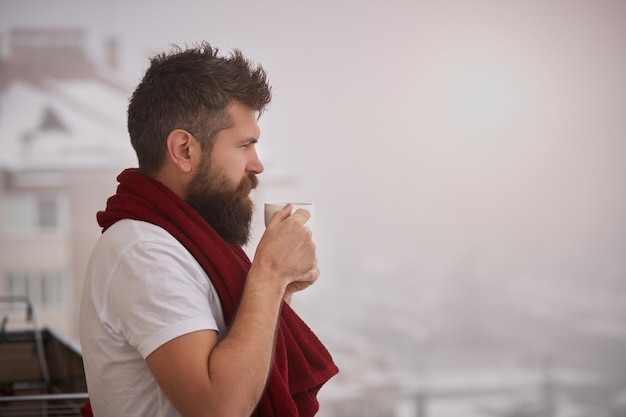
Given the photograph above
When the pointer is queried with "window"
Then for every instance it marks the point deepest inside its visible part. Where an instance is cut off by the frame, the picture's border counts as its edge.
(50, 121)
(27, 214)
(47, 212)
(47, 289)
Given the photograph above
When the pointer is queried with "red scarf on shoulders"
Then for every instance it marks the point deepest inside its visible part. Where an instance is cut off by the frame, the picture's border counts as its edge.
(301, 362)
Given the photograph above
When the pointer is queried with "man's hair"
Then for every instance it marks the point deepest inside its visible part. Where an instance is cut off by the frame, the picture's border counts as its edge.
(190, 89)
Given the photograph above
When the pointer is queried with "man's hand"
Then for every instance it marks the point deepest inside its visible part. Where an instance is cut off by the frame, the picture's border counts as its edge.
(287, 252)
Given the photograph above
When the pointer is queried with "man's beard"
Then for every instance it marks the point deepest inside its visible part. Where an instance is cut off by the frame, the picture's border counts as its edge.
(226, 208)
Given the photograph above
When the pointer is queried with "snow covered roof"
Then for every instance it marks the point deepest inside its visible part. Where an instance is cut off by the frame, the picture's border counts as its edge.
(63, 125)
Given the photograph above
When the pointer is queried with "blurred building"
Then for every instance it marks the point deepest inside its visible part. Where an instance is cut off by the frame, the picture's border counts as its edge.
(63, 140)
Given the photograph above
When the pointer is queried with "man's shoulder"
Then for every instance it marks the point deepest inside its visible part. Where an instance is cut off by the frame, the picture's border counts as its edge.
(129, 230)
(128, 236)
(137, 245)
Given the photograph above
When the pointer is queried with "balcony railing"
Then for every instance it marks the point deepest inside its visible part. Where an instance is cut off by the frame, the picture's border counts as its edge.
(41, 371)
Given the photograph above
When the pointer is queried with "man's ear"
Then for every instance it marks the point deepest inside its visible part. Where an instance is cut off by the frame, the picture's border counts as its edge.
(183, 150)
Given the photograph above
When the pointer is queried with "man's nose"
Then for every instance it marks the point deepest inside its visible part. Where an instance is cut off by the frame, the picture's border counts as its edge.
(255, 165)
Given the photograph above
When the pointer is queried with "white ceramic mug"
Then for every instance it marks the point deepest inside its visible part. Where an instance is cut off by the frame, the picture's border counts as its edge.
(273, 207)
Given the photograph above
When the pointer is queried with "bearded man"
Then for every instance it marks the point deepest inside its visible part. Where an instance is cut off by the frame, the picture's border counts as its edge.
(175, 319)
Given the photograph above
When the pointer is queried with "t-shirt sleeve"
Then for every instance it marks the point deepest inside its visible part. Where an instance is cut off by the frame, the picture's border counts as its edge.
(158, 292)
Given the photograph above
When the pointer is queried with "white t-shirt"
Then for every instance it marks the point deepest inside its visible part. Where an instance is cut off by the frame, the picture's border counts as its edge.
(142, 289)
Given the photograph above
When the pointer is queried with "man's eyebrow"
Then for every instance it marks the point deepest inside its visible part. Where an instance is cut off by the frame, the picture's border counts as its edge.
(249, 141)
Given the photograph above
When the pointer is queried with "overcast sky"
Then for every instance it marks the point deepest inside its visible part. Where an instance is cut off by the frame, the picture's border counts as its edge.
(424, 130)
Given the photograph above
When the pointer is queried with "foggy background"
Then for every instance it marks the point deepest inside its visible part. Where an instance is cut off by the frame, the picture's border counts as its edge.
(467, 160)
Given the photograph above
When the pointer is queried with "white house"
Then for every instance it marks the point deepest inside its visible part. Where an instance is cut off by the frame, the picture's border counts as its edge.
(63, 140)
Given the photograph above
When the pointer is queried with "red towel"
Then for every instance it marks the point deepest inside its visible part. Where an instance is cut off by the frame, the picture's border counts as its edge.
(301, 362)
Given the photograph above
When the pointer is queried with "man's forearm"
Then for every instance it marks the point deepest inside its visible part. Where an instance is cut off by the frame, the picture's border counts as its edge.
(240, 363)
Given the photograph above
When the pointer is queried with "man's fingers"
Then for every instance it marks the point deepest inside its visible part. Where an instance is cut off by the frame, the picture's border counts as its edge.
(314, 274)
(282, 214)
(302, 214)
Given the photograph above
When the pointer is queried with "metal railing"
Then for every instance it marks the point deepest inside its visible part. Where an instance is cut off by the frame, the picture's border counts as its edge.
(41, 373)
(59, 405)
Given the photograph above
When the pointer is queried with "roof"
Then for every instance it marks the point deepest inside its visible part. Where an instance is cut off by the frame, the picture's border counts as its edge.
(56, 120)
(75, 124)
